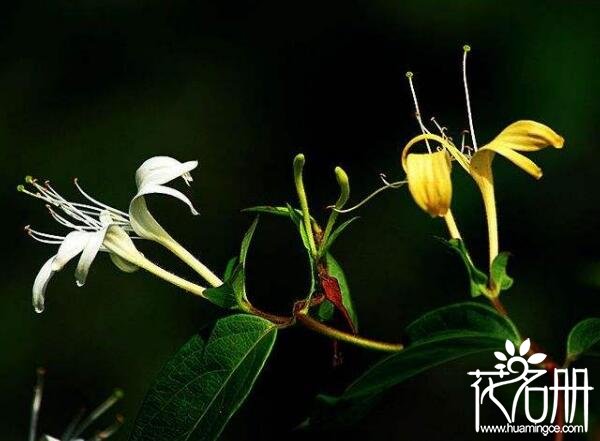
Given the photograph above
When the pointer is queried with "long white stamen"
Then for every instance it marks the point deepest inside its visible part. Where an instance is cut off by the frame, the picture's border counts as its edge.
(466, 49)
(85, 208)
(424, 129)
(37, 402)
(67, 207)
(44, 237)
(110, 430)
(80, 216)
(46, 241)
(107, 404)
(72, 426)
(85, 217)
(100, 204)
(70, 208)
(61, 220)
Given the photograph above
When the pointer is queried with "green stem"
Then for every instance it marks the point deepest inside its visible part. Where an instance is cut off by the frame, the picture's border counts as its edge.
(498, 306)
(280, 321)
(356, 340)
(298, 181)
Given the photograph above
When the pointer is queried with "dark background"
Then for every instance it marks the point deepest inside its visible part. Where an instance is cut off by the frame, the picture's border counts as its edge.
(91, 89)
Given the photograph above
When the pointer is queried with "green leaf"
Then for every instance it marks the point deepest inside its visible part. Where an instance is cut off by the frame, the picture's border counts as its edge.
(478, 280)
(582, 338)
(437, 337)
(233, 290)
(224, 295)
(498, 272)
(274, 210)
(202, 386)
(246, 242)
(296, 217)
(325, 311)
(335, 234)
(230, 268)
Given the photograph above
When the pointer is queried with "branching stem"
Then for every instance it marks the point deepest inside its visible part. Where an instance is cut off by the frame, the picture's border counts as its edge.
(356, 340)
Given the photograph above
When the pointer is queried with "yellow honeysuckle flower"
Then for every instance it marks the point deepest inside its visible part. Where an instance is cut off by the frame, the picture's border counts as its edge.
(520, 136)
(429, 182)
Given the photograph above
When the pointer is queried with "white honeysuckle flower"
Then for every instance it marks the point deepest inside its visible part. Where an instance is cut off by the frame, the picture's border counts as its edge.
(150, 179)
(75, 429)
(94, 227)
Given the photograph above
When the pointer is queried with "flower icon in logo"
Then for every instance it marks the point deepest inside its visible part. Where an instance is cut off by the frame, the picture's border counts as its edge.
(524, 349)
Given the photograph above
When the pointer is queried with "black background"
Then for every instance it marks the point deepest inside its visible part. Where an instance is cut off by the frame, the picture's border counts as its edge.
(91, 89)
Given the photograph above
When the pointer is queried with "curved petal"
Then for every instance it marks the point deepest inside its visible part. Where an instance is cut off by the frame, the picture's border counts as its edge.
(429, 181)
(122, 264)
(40, 284)
(529, 136)
(482, 160)
(162, 169)
(161, 189)
(118, 242)
(142, 221)
(451, 148)
(88, 255)
(72, 245)
(524, 136)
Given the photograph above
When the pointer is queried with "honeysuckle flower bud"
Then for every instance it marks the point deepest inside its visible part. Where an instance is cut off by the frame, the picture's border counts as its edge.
(428, 176)
(94, 227)
(150, 179)
(77, 427)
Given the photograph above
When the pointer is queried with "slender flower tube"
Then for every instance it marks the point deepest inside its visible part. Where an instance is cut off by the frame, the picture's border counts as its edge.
(526, 136)
(150, 179)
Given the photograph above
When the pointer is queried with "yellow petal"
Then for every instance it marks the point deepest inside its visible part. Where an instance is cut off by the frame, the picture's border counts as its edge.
(429, 181)
(451, 148)
(482, 160)
(525, 136)
(529, 136)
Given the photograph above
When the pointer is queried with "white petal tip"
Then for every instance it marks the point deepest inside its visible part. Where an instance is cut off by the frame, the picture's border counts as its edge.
(80, 283)
(38, 308)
